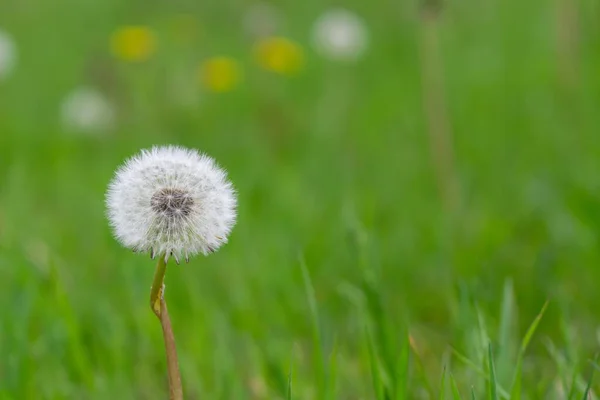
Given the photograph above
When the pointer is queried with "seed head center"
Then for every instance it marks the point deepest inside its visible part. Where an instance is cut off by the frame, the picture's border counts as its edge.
(172, 202)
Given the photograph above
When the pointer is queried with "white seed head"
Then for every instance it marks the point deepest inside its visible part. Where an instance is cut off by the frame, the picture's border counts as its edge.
(8, 55)
(340, 35)
(172, 201)
(86, 110)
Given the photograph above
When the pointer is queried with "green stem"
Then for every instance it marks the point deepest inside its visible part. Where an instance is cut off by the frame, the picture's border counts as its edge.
(156, 292)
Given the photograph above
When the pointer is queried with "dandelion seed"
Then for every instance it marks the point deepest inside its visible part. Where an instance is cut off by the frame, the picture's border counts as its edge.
(133, 43)
(8, 55)
(220, 74)
(172, 201)
(280, 55)
(340, 35)
(87, 110)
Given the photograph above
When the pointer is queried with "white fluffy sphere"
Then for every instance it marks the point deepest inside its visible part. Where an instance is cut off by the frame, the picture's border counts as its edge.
(340, 35)
(172, 201)
(88, 111)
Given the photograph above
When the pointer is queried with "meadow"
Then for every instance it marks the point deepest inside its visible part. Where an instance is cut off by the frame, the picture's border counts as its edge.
(420, 222)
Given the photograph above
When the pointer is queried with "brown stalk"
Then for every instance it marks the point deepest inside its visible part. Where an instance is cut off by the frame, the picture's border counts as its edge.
(436, 110)
(159, 307)
(568, 43)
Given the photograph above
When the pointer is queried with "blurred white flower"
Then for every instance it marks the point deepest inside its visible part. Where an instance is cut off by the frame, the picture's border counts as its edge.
(8, 54)
(262, 20)
(340, 35)
(172, 201)
(87, 110)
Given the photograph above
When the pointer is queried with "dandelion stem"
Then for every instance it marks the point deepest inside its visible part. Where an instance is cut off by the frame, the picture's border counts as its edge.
(568, 39)
(159, 307)
(156, 293)
(436, 109)
(175, 388)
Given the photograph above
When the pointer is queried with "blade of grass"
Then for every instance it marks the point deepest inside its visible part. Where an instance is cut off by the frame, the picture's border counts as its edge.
(567, 334)
(515, 391)
(493, 395)
(274, 374)
(502, 392)
(402, 369)
(469, 363)
(289, 390)
(319, 367)
(563, 371)
(422, 371)
(484, 338)
(568, 370)
(77, 353)
(573, 386)
(506, 315)
(455, 392)
(443, 384)
(332, 382)
(586, 394)
(374, 363)
(380, 326)
(595, 365)
(506, 340)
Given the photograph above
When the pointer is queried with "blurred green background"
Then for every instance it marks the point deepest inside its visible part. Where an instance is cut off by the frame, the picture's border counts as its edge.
(442, 184)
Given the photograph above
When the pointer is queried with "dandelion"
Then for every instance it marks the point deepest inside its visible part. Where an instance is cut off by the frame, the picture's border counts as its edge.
(261, 20)
(87, 110)
(340, 35)
(220, 74)
(8, 54)
(133, 43)
(280, 55)
(170, 201)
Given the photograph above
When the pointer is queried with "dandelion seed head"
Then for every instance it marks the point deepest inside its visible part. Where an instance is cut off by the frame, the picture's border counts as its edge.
(88, 111)
(340, 35)
(171, 200)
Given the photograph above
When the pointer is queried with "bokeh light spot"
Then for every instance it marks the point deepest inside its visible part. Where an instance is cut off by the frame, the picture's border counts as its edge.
(133, 43)
(279, 55)
(220, 74)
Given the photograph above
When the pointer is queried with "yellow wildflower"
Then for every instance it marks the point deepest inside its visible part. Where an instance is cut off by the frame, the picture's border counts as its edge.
(220, 74)
(280, 55)
(133, 43)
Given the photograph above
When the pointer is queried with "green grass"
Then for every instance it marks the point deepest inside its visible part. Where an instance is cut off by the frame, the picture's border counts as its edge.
(346, 276)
